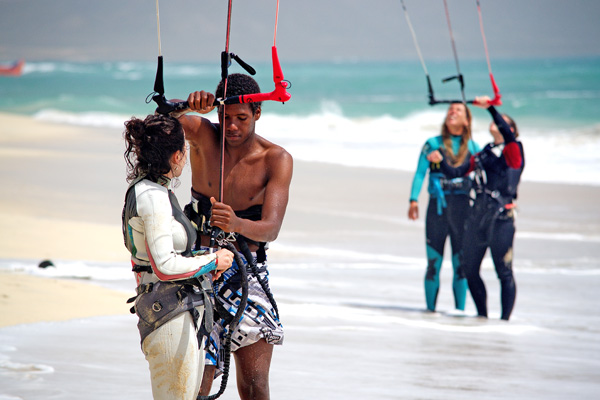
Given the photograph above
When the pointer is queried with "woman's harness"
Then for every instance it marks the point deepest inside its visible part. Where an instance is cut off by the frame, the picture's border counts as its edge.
(158, 302)
(440, 186)
(490, 205)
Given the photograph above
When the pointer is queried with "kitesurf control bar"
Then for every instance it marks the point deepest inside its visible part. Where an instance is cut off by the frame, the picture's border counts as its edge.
(279, 94)
(496, 101)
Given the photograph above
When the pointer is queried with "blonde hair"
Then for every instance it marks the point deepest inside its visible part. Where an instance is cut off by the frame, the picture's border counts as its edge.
(463, 150)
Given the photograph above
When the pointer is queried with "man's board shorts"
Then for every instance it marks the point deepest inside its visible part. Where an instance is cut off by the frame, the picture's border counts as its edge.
(259, 320)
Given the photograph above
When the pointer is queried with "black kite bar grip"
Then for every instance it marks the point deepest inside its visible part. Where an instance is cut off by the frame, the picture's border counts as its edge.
(244, 64)
(159, 84)
(166, 107)
(226, 63)
(459, 77)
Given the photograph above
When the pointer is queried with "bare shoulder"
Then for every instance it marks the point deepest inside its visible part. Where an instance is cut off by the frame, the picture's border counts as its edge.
(275, 155)
(196, 127)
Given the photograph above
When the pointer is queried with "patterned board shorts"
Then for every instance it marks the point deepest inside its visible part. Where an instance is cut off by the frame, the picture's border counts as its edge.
(259, 320)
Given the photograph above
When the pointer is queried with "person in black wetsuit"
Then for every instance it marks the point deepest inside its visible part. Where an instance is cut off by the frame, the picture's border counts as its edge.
(498, 168)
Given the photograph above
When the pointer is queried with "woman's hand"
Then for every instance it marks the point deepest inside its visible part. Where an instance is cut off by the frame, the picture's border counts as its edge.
(435, 157)
(224, 261)
(201, 102)
(413, 211)
(482, 101)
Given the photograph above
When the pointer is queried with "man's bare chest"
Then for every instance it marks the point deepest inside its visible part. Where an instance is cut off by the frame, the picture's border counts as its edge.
(243, 183)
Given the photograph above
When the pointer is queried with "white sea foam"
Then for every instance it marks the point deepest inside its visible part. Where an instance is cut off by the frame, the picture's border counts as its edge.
(379, 320)
(8, 367)
(559, 236)
(93, 119)
(71, 269)
(392, 143)
(386, 142)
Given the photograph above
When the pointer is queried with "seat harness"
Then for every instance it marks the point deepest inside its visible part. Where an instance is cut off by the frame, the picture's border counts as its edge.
(158, 302)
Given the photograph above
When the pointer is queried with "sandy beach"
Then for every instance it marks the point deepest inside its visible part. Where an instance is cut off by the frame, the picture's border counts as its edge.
(62, 201)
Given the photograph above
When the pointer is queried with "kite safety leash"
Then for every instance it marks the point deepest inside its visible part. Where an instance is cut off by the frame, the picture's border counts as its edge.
(217, 234)
(233, 325)
(223, 240)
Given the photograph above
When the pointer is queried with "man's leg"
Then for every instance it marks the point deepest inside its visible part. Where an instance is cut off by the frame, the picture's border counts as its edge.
(207, 379)
(212, 359)
(252, 370)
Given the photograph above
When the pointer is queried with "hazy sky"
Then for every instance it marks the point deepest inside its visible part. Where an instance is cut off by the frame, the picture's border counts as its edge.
(327, 30)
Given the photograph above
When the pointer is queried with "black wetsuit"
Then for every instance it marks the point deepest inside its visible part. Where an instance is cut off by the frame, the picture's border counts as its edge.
(492, 220)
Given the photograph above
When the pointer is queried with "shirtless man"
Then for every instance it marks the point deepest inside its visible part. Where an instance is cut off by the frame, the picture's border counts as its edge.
(257, 176)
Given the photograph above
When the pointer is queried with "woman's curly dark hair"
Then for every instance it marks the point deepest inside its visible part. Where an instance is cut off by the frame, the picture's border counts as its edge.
(237, 85)
(150, 144)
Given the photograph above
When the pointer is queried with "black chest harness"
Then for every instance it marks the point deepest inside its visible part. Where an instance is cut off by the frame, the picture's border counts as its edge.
(199, 212)
(493, 177)
(496, 189)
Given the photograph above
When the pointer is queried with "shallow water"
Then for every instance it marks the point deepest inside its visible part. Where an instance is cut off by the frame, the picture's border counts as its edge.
(354, 330)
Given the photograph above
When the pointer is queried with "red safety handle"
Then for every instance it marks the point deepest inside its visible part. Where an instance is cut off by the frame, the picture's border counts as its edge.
(279, 94)
(497, 100)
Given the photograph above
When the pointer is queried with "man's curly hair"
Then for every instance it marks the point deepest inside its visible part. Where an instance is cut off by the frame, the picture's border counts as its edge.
(239, 84)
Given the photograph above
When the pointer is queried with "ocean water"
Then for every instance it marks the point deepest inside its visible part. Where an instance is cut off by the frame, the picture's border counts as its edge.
(358, 114)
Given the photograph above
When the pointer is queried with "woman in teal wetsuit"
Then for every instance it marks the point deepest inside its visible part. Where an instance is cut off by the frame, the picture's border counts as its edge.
(448, 202)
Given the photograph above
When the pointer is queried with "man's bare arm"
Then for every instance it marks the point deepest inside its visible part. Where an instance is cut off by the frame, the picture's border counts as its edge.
(280, 166)
(195, 126)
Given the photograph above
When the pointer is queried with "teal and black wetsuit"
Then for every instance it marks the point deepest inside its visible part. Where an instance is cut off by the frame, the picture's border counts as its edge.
(491, 223)
(447, 210)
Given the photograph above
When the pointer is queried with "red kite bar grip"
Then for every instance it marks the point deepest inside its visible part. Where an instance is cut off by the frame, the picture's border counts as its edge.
(497, 100)
(279, 94)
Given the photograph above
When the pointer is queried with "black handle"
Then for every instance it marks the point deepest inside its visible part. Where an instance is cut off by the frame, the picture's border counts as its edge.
(244, 64)
(159, 85)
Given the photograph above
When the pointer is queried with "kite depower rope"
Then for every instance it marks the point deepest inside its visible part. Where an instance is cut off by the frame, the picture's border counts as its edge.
(166, 107)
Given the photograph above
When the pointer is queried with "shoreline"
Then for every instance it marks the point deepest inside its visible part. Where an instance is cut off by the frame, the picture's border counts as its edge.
(68, 185)
(26, 299)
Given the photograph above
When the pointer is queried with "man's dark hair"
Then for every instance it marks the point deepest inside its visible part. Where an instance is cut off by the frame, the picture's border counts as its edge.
(238, 84)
